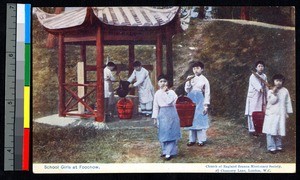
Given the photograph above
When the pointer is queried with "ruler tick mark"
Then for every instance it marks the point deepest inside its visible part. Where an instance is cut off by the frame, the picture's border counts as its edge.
(10, 117)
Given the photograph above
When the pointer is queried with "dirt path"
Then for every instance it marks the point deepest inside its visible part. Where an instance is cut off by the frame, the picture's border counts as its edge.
(257, 24)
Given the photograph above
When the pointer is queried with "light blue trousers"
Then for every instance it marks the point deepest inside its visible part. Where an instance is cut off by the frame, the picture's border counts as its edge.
(250, 124)
(273, 142)
(146, 108)
(200, 135)
(169, 148)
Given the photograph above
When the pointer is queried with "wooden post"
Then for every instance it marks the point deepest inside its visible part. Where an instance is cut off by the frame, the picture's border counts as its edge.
(245, 13)
(61, 75)
(81, 77)
(169, 57)
(159, 50)
(100, 117)
(131, 59)
(130, 65)
(80, 89)
(293, 15)
(83, 58)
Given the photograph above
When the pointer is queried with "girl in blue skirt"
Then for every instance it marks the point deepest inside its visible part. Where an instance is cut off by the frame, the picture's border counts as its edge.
(198, 90)
(166, 118)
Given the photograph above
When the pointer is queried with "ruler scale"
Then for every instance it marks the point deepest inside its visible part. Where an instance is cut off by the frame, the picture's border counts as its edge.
(17, 87)
(10, 87)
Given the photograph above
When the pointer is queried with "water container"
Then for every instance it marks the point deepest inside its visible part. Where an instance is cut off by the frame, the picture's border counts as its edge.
(125, 108)
(123, 89)
(186, 110)
(258, 120)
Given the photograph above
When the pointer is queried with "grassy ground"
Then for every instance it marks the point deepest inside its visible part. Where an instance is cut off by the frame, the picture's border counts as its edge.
(228, 142)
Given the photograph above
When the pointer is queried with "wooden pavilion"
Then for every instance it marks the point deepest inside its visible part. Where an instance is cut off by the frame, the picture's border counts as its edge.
(102, 26)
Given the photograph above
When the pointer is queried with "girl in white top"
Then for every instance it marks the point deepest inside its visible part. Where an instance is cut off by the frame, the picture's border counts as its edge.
(166, 118)
(278, 107)
(198, 90)
(255, 94)
(144, 85)
(108, 88)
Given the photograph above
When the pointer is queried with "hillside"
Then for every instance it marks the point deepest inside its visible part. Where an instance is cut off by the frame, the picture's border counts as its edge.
(228, 50)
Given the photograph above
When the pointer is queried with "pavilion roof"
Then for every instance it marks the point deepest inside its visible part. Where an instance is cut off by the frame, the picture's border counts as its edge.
(115, 16)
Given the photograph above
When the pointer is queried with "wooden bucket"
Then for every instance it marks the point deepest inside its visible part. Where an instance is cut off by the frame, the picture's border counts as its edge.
(125, 108)
(186, 110)
(258, 120)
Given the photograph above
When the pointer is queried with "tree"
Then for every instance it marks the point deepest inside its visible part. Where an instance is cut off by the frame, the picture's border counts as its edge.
(201, 12)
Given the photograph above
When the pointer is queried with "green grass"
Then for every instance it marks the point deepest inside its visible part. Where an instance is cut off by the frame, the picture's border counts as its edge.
(228, 142)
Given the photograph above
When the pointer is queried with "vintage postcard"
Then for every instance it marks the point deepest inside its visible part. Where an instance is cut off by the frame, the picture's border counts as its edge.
(151, 89)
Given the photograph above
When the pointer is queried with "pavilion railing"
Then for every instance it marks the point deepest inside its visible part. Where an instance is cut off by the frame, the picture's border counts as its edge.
(72, 99)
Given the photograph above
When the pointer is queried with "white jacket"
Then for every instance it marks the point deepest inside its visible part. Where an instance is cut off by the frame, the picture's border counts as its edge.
(254, 96)
(144, 85)
(199, 83)
(276, 112)
(108, 77)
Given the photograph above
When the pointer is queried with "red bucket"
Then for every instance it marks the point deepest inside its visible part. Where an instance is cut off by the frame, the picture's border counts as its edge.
(125, 108)
(258, 120)
(186, 110)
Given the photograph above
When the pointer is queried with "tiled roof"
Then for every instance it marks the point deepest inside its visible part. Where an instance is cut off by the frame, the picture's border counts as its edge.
(116, 16)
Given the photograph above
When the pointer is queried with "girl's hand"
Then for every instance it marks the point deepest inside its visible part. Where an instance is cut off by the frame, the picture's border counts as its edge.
(274, 89)
(130, 86)
(261, 90)
(155, 121)
(205, 110)
(165, 88)
(190, 77)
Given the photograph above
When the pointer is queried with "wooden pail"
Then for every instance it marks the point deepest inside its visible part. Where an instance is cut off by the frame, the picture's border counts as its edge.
(258, 120)
(186, 110)
(125, 108)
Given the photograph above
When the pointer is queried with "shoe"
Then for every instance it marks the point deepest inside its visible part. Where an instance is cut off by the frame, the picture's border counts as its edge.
(148, 115)
(162, 155)
(255, 134)
(280, 150)
(167, 158)
(272, 151)
(109, 114)
(200, 143)
(190, 143)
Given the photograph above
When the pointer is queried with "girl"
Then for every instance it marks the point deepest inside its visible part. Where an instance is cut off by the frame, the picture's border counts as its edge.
(108, 88)
(255, 95)
(166, 118)
(198, 90)
(279, 104)
(145, 88)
